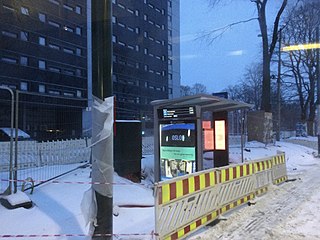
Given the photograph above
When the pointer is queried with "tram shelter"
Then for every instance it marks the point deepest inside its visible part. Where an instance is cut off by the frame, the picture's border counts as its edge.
(191, 134)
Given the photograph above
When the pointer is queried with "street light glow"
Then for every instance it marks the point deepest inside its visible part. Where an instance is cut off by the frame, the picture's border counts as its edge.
(300, 47)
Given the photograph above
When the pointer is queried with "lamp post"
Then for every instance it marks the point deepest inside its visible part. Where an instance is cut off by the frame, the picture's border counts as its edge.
(9, 190)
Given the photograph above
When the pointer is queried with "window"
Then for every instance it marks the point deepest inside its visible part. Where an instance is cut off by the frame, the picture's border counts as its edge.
(24, 60)
(78, 9)
(8, 7)
(9, 34)
(78, 52)
(69, 29)
(24, 86)
(145, 17)
(56, 47)
(145, 34)
(122, 43)
(78, 31)
(121, 6)
(145, 51)
(9, 60)
(24, 36)
(54, 2)
(114, 38)
(54, 92)
(121, 24)
(137, 30)
(42, 17)
(79, 93)
(24, 10)
(78, 72)
(42, 64)
(68, 72)
(42, 41)
(54, 69)
(137, 12)
(130, 10)
(137, 48)
(42, 88)
(54, 24)
(66, 6)
(114, 19)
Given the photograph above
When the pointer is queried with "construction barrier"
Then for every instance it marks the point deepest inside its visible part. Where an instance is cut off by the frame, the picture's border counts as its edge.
(187, 203)
(237, 186)
(279, 169)
(263, 175)
(184, 204)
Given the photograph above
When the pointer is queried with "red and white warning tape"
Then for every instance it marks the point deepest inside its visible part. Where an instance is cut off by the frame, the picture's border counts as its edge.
(69, 182)
(73, 235)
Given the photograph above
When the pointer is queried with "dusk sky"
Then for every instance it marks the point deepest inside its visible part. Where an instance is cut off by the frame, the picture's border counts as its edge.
(222, 63)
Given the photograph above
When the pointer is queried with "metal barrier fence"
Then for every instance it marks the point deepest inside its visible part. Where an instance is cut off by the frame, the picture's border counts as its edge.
(42, 161)
(187, 203)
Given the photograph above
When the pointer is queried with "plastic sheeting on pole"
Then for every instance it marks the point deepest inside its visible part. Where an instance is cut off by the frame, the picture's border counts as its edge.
(102, 145)
(102, 157)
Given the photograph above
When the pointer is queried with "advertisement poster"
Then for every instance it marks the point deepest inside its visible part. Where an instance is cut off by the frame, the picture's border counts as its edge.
(177, 149)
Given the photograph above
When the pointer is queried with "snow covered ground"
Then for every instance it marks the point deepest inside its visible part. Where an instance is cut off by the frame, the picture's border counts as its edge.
(288, 211)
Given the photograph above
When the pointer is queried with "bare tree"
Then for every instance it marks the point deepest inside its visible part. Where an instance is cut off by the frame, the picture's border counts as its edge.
(268, 45)
(195, 89)
(302, 65)
(249, 89)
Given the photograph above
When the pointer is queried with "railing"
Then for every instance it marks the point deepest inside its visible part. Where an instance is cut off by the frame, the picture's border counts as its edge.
(187, 203)
(42, 161)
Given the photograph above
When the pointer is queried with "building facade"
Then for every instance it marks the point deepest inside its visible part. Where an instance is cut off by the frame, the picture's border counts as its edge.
(45, 55)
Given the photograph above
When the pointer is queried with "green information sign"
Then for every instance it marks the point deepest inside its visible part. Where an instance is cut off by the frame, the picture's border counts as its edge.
(178, 153)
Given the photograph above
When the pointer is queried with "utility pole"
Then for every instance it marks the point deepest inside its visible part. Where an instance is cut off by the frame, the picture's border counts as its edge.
(279, 88)
(318, 91)
(101, 17)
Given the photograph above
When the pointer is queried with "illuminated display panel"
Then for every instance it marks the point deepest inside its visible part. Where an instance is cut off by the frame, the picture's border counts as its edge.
(177, 149)
(220, 134)
(208, 139)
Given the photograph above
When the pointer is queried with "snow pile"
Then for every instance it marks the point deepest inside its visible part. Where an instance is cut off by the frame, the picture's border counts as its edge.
(290, 210)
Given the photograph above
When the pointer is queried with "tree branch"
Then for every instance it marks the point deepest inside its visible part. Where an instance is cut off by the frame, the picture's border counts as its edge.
(217, 33)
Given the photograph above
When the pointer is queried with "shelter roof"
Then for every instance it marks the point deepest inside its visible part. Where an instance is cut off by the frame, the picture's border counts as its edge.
(204, 101)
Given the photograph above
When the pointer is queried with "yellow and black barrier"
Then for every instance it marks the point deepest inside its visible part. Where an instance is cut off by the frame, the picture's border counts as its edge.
(187, 203)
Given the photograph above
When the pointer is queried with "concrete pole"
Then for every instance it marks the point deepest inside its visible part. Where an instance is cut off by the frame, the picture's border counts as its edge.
(101, 17)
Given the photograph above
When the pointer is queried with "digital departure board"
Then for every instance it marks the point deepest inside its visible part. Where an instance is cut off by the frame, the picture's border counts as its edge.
(185, 112)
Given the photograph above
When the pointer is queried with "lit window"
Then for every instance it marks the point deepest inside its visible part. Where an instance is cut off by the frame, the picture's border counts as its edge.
(137, 48)
(145, 17)
(137, 12)
(24, 11)
(24, 86)
(121, 6)
(42, 17)
(42, 64)
(24, 61)
(130, 10)
(78, 9)
(8, 8)
(42, 88)
(114, 38)
(65, 6)
(79, 93)
(146, 51)
(69, 29)
(68, 50)
(42, 41)
(137, 30)
(9, 60)
(114, 19)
